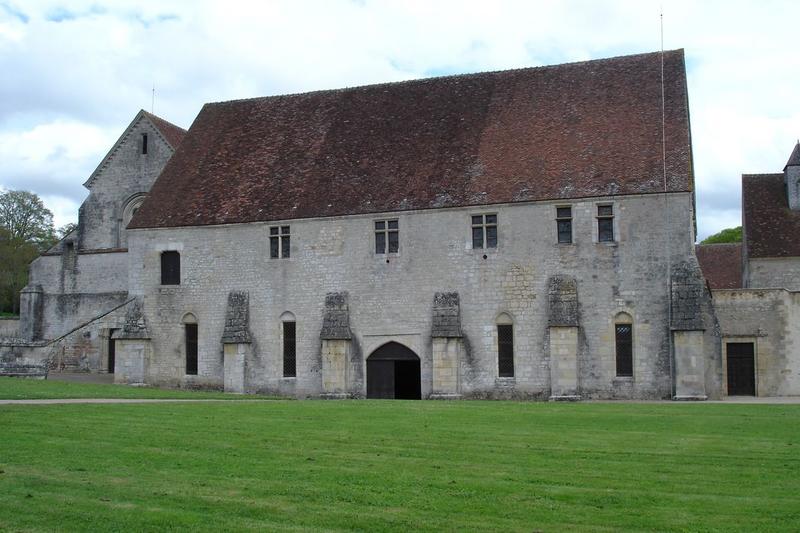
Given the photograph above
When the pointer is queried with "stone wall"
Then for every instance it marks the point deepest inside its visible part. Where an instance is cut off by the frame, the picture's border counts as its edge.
(769, 318)
(9, 327)
(774, 273)
(390, 297)
(124, 175)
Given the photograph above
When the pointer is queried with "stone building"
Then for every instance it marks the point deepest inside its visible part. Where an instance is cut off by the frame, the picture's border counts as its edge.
(756, 287)
(78, 289)
(520, 234)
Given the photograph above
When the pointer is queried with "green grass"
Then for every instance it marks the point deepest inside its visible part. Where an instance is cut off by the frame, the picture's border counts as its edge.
(403, 466)
(35, 389)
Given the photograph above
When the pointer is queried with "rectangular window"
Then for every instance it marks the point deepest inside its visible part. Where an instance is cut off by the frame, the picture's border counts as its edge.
(484, 231)
(605, 223)
(624, 338)
(387, 236)
(279, 243)
(170, 268)
(144, 143)
(289, 350)
(191, 349)
(505, 350)
(564, 224)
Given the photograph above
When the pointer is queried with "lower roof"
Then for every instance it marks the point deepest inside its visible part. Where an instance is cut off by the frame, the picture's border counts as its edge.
(771, 228)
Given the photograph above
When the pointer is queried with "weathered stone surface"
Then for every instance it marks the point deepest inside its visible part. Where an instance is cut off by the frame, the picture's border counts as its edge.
(237, 318)
(31, 309)
(135, 324)
(562, 297)
(336, 320)
(446, 315)
(688, 292)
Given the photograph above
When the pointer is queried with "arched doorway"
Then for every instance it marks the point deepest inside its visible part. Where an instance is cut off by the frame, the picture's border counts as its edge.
(393, 373)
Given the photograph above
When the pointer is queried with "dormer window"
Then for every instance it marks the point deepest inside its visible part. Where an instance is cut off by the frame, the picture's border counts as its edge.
(144, 144)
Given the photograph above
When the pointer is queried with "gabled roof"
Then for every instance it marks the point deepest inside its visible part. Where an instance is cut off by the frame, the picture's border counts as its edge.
(173, 135)
(794, 159)
(567, 131)
(169, 132)
(721, 264)
(771, 228)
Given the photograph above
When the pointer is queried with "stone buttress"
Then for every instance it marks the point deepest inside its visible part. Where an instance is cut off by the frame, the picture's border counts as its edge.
(337, 345)
(133, 347)
(447, 345)
(236, 341)
(563, 323)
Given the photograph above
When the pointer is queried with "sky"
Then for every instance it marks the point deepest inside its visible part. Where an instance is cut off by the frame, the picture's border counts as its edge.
(74, 74)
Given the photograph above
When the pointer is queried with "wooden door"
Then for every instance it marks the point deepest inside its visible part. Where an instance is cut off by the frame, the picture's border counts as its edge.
(741, 369)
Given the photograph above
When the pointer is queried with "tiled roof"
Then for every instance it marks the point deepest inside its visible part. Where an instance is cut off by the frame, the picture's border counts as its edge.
(172, 133)
(794, 159)
(770, 227)
(567, 131)
(721, 264)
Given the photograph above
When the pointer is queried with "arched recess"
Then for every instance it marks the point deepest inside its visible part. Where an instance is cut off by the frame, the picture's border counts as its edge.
(623, 344)
(505, 345)
(393, 372)
(190, 344)
(129, 208)
(289, 344)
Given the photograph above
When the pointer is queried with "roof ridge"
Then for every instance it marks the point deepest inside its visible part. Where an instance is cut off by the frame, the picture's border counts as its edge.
(447, 77)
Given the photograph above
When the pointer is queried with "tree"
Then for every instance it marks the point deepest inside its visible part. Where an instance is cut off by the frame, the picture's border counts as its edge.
(26, 219)
(724, 236)
(26, 230)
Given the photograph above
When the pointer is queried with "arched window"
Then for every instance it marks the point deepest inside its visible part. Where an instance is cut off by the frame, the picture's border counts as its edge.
(505, 346)
(289, 341)
(129, 209)
(623, 335)
(190, 346)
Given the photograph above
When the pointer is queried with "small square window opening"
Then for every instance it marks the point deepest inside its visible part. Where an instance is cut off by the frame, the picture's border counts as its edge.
(605, 223)
(279, 242)
(387, 236)
(564, 224)
(484, 231)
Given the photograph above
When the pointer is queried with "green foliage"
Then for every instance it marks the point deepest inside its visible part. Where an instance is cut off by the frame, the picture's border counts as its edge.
(724, 236)
(400, 466)
(26, 230)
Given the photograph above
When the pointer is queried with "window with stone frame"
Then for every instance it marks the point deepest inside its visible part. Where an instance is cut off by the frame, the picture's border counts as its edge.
(484, 231)
(623, 337)
(564, 224)
(170, 268)
(144, 144)
(279, 242)
(605, 223)
(190, 331)
(289, 349)
(387, 236)
(505, 346)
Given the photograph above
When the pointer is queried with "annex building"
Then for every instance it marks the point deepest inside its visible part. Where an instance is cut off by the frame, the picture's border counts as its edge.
(517, 234)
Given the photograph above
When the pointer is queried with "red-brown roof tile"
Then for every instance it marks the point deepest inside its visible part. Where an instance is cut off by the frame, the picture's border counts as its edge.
(721, 264)
(771, 228)
(568, 131)
(172, 133)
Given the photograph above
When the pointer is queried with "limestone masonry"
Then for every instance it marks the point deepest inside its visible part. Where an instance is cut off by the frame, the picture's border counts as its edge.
(497, 235)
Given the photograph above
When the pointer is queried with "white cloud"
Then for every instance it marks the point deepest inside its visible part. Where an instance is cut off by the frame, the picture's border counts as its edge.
(94, 63)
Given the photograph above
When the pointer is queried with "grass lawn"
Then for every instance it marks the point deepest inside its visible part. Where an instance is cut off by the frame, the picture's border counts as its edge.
(35, 389)
(393, 465)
